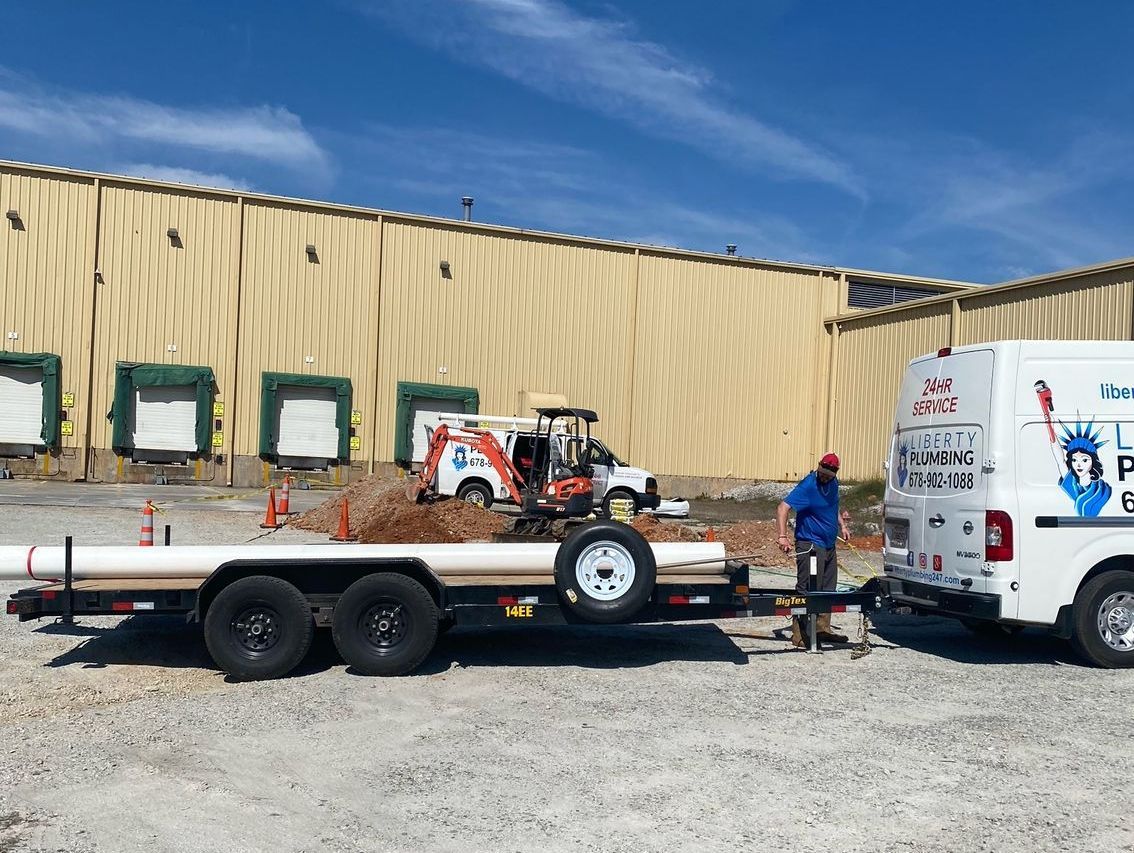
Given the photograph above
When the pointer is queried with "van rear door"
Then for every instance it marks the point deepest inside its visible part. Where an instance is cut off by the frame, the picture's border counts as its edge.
(936, 490)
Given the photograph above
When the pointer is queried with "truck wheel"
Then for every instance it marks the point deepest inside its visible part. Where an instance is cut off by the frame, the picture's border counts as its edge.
(477, 494)
(618, 494)
(258, 628)
(605, 572)
(1103, 620)
(385, 624)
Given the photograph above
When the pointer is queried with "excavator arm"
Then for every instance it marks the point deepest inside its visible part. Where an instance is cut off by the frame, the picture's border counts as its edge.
(476, 439)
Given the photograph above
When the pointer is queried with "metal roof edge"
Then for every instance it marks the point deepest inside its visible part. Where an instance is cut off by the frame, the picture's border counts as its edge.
(375, 212)
(1016, 284)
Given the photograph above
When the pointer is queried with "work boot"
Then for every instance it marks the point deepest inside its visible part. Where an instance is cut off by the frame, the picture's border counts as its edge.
(797, 638)
(823, 631)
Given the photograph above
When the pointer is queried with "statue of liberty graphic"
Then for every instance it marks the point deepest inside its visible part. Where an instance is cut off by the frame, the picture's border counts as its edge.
(1083, 481)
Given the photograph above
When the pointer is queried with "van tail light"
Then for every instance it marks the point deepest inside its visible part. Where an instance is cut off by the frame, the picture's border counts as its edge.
(944, 351)
(997, 536)
(651, 486)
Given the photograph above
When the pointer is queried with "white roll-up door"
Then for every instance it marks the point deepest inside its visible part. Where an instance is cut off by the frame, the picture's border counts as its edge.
(419, 405)
(307, 422)
(165, 418)
(21, 405)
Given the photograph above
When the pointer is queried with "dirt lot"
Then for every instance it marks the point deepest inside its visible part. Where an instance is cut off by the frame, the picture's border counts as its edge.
(119, 736)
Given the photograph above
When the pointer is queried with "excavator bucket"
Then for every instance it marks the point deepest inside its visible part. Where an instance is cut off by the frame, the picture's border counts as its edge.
(415, 491)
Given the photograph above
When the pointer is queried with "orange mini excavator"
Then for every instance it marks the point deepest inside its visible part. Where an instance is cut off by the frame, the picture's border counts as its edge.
(556, 486)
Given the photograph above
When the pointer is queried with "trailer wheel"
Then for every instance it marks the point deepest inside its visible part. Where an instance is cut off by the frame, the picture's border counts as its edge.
(1103, 620)
(258, 628)
(385, 624)
(477, 494)
(605, 572)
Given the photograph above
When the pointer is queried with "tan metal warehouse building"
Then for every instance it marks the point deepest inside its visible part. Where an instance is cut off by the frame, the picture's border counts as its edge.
(871, 349)
(159, 330)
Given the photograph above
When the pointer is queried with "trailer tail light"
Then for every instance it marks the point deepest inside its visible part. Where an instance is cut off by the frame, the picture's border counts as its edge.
(997, 536)
(11, 608)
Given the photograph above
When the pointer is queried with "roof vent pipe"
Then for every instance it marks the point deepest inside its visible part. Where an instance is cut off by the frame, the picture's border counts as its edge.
(466, 203)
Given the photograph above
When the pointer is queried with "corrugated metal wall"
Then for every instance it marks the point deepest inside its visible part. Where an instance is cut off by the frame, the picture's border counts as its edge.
(316, 315)
(1094, 307)
(46, 275)
(873, 350)
(156, 293)
(727, 360)
(510, 315)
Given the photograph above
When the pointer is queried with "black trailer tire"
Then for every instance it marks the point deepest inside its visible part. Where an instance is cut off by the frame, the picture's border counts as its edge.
(477, 494)
(258, 628)
(618, 494)
(1103, 620)
(605, 572)
(385, 624)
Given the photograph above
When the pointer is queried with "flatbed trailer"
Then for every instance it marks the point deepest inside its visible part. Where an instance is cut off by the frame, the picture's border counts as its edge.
(385, 615)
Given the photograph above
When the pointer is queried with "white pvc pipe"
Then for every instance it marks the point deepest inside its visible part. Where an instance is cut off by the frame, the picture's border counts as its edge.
(197, 561)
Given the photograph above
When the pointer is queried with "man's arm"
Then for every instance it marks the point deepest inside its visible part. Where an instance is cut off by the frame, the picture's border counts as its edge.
(783, 540)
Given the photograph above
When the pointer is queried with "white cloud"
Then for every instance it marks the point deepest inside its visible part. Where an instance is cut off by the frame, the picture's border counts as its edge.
(600, 64)
(177, 175)
(262, 133)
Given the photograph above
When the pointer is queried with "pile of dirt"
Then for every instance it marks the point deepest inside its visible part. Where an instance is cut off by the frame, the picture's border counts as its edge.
(368, 497)
(380, 512)
(659, 531)
(747, 538)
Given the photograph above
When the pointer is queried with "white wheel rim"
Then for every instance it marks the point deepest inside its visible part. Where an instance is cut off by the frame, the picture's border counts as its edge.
(605, 571)
(1116, 621)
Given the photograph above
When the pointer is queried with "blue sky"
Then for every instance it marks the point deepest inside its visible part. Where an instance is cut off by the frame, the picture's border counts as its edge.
(974, 141)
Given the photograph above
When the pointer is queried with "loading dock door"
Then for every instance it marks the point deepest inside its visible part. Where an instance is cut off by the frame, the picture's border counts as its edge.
(21, 401)
(420, 433)
(306, 416)
(165, 418)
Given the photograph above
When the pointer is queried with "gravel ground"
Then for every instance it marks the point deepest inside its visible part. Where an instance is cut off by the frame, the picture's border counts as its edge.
(118, 735)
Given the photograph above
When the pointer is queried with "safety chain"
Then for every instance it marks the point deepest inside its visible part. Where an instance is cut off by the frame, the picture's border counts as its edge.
(863, 648)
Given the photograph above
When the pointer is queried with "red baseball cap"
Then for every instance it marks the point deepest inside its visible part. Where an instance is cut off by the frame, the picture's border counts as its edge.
(831, 461)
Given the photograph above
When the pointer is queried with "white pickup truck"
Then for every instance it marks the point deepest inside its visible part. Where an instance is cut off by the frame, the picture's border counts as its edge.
(468, 475)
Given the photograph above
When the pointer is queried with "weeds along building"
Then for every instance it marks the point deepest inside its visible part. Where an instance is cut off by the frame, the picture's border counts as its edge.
(168, 332)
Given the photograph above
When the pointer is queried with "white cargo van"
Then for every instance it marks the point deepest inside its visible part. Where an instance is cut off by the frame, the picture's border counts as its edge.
(1010, 491)
(467, 474)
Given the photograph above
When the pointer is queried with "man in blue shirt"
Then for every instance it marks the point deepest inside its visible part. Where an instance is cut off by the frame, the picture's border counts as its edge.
(815, 500)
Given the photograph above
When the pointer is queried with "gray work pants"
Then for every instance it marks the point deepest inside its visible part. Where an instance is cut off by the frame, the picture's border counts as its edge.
(827, 568)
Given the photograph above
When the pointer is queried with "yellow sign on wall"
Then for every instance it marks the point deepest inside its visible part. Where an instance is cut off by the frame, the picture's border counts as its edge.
(218, 439)
(218, 410)
(67, 427)
(355, 418)
(68, 400)
(356, 442)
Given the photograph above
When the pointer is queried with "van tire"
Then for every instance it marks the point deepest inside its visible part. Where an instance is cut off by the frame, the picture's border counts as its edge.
(385, 624)
(605, 572)
(258, 628)
(617, 494)
(1101, 619)
(476, 493)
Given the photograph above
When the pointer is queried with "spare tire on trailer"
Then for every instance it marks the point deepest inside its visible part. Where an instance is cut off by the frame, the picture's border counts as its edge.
(605, 572)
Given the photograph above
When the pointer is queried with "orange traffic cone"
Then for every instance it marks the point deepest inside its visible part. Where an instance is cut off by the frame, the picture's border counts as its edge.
(285, 497)
(344, 525)
(270, 522)
(710, 536)
(147, 537)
